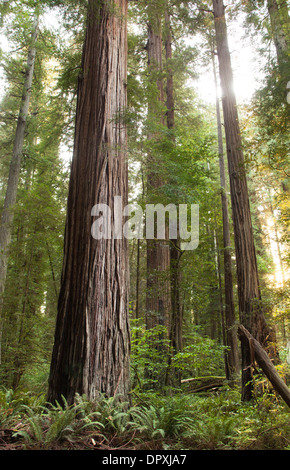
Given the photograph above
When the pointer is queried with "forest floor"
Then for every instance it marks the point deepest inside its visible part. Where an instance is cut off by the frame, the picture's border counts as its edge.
(215, 420)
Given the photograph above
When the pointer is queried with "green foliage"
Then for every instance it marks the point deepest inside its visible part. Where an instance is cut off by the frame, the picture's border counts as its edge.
(200, 357)
(11, 405)
(32, 283)
(162, 418)
(150, 354)
(217, 421)
(50, 424)
(113, 414)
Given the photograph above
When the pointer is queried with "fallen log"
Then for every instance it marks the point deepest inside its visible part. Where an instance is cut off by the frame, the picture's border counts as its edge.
(200, 384)
(265, 363)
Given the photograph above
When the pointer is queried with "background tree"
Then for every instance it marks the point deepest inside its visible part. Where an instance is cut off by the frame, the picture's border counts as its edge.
(15, 165)
(251, 314)
(158, 255)
(32, 282)
(266, 146)
(230, 318)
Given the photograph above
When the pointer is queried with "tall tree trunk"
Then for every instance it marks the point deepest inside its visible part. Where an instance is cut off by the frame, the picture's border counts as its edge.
(175, 252)
(285, 19)
(158, 301)
(137, 312)
(15, 166)
(278, 31)
(92, 339)
(230, 319)
(20, 353)
(169, 78)
(222, 310)
(251, 314)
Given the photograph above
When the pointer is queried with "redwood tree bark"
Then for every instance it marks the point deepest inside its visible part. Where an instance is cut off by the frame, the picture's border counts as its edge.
(230, 319)
(251, 314)
(92, 339)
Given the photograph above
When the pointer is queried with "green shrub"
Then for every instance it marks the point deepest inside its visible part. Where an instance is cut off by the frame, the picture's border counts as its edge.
(151, 352)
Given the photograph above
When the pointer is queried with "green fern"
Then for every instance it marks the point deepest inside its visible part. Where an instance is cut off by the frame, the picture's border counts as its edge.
(214, 432)
(114, 414)
(62, 422)
(35, 432)
(170, 419)
(55, 423)
(12, 403)
(146, 421)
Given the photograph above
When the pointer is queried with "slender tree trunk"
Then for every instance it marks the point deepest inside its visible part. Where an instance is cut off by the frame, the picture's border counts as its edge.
(175, 253)
(137, 313)
(92, 339)
(169, 79)
(251, 314)
(176, 329)
(19, 362)
(222, 310)
(277, 240)
(284, 19)
(214, 320)
(278, 32)
(15, 166)
(158, 300)
(230, 319)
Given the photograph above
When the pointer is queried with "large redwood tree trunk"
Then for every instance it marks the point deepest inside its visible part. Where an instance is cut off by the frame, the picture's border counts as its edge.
(230, 318)
(251, 314)
(91, 350)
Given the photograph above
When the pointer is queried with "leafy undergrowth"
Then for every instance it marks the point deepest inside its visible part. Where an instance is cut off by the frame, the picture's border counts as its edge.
(181, 422)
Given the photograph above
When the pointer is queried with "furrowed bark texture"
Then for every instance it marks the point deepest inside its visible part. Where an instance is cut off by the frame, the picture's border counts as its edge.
(230, 319)
(92, 339)
(251, 315)
(158, 299)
